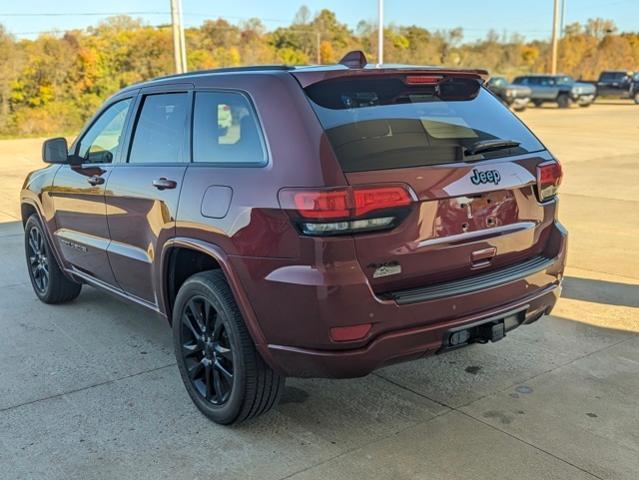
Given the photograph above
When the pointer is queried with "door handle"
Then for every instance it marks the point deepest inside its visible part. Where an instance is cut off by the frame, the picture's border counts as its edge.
(164, 183)
(95, 180)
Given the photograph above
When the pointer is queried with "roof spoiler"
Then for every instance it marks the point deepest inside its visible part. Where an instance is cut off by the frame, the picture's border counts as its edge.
(354, 59)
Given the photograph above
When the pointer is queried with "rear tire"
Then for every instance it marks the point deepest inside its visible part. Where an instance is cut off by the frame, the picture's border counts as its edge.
(49, 283)
(222, 371)
(537, 103)
(564, 101)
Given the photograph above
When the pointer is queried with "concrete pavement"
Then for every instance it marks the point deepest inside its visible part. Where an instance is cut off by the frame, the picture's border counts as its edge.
(90, 390)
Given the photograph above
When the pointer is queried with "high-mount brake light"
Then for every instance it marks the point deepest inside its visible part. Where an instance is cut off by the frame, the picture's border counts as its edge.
(549, 176)
(346, 210)
(423, 79)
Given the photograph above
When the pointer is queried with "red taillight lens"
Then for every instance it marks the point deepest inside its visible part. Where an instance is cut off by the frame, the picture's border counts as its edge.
(371, 199)
(322, 204)
(549, 176)
(345, 210)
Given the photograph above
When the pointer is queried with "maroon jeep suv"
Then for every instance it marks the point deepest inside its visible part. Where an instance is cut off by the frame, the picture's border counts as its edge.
(302, 221)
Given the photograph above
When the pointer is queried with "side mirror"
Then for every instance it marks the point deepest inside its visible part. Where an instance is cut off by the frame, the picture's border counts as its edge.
(55, 150)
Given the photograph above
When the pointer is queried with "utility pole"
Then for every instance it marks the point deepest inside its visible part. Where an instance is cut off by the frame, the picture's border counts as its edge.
(182, 39)
(555, 18)
(380, 33)
(562, 23)
(179, 47)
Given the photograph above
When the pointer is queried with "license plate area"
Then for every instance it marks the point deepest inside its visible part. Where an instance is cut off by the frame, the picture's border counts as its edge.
(487, 330)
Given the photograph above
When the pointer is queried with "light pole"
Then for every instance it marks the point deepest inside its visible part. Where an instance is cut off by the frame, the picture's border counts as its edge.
(179, 46)
(555, 18)
(380, 33)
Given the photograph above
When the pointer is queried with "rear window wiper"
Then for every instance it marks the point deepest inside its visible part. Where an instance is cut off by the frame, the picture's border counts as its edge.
(489, 145)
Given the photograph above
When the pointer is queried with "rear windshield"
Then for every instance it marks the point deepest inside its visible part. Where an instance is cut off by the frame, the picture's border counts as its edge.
(376, 124)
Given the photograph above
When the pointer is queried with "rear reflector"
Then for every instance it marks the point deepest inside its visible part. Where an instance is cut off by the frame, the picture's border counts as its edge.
(549, 176)
(351, 333)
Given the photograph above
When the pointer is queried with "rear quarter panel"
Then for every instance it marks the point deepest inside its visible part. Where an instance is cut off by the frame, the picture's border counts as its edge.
(298, 156)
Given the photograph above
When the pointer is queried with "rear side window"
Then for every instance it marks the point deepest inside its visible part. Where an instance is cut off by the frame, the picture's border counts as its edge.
(613, 76)
(226, 131)
(160, 131)
(379, 124)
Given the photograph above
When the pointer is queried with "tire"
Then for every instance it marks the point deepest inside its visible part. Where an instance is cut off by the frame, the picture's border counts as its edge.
(537, 103)
(225, 376)
(49, 283)
(585, 105)
(636, 98)
(564, 101)
(520, 107)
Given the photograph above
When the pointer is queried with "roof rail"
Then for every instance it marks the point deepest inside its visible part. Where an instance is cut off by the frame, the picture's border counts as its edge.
(354, 59)
(250, 68)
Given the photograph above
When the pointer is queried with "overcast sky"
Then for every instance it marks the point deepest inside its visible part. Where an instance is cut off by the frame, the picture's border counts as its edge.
(531, 18)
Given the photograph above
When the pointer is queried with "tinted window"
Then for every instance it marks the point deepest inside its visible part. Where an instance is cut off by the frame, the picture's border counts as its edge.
(376, 124)
(159, 135)
(101, 142)
(225, 130)
(613, 76)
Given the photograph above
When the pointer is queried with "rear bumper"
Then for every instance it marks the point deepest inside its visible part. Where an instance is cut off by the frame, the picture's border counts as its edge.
(297, 305)
(398, 346)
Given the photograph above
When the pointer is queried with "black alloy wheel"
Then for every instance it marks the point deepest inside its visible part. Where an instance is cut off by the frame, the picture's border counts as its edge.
(207, 351)
(38, 259)
(49, 283)
(224, 374)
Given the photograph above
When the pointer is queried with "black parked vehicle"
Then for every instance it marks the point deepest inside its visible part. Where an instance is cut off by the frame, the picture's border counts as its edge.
(619, 84)
(562, 89)
(515, 96)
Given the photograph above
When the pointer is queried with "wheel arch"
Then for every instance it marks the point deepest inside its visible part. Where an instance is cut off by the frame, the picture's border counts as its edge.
(209, 257)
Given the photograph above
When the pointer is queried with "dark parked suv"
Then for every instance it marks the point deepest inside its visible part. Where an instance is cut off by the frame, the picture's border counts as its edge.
(310, 222)
(620, 84)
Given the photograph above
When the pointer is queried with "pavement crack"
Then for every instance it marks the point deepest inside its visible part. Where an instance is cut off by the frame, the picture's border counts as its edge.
(88, 387)
(362, 446)
(457, 409)
(532, 445)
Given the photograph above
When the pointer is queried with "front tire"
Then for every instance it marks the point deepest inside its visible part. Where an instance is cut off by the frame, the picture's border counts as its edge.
(222, 371)
(564, 101)
(48, 282)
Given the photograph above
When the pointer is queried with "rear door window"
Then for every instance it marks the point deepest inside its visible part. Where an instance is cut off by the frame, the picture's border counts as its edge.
(160, 131)
(226, 130)
(379, 124)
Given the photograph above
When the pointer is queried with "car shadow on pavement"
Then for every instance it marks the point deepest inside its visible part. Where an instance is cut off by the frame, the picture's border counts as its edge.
(601, 291)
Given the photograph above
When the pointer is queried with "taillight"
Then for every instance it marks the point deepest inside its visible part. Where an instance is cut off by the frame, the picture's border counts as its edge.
(548, 180)
(322, 204)
(346, 210)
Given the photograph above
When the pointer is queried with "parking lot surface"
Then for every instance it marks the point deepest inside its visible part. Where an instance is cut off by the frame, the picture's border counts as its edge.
(90, 390)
